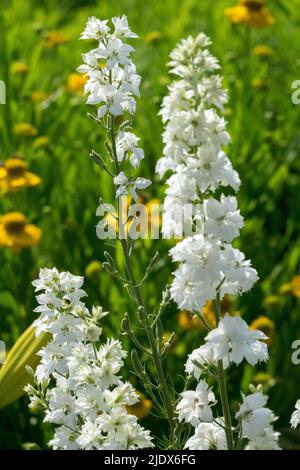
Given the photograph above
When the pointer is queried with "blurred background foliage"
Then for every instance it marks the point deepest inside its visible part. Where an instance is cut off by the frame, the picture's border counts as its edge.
(49, 180)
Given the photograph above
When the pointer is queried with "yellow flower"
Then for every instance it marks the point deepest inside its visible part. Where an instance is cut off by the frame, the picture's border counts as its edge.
(259, 84)
(25, 130)
(14, 175)
(263, 50)
(153, 36)
(271, 301)
(19, 68)
(266, 325)
(250, 13)
(264, 379)
(76, 82)
(41, 142)
(15, 232)
(39, 96)
(189, 321)
(285, 289)
(142, 408)
(55, 38)
(93, 270)
(295, 284)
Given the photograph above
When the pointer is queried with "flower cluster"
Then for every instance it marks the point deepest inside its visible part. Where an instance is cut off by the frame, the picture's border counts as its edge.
(113, 85)
(194, 136)
(77, 380)
(209, 266)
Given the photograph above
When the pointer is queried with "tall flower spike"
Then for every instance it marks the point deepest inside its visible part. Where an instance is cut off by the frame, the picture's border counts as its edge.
(113, 85)
(78, 382)
(194, 136)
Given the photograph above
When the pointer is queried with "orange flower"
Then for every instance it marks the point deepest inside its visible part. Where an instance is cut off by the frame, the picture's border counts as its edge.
(14, 175)
(55, 38)
(16, 233)
(250, 13)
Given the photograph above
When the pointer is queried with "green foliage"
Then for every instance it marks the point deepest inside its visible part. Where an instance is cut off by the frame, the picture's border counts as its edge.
(264, 125)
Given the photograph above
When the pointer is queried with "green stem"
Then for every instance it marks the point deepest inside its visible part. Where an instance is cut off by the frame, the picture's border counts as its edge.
(168, 405)
(223, 388)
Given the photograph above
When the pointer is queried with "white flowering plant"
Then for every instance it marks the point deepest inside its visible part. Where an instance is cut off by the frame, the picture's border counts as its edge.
(78, 382)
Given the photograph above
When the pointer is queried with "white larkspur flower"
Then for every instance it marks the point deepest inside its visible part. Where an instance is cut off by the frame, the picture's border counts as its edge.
(95, 28)
(207, 436)
(201, 359)
(254, 416)
(222, 219)
(295, 418)
(265, 440)
(127, 145)
(195, 406)
(77, 379)
(233, 338)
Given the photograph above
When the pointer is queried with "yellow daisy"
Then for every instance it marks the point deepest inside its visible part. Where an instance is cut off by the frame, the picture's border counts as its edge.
(25, 130)
(14, 175)
(266, 325)
(16, 232)
(251, 13)
(142, 408)
(76, 82)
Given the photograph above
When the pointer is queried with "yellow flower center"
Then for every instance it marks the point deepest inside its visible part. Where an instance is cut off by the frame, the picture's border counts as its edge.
(15, 167)
(14, 222)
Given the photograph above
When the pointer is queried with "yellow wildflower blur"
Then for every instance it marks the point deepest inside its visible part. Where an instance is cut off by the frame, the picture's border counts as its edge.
(93, 269)
(41, 142)
(252, 13)
(142, 408)
(38, 96)
(55, 38)
(153, 36)
(14, 176)
(260, 84)
(19, 68)
(25, 129)
(76, 82)
(266, 325)
(16, 232)
(295, 284)
(263, 50)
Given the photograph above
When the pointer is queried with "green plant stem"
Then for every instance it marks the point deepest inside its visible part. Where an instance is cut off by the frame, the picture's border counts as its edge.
(223, 388)
(135, 289)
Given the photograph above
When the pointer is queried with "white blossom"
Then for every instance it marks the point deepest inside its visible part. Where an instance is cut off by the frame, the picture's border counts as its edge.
(195, 406)
(254, 416)
(295, 418)
(233, 338)
(78, 381)
(207, 436)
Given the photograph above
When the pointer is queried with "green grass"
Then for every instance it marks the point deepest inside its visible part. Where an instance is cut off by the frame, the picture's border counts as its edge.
(264, 125)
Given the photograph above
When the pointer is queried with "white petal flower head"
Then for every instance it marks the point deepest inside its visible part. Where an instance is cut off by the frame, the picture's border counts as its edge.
(195, 406)
(265, 440)
(295, 419)
(95, 28)
(238, 272)
(121, 27)
(233, 338)
(189, 294)
(207, 436)
(201, 359)
(254, 416)
(127, 145)
(64, 439)
(222, 219)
